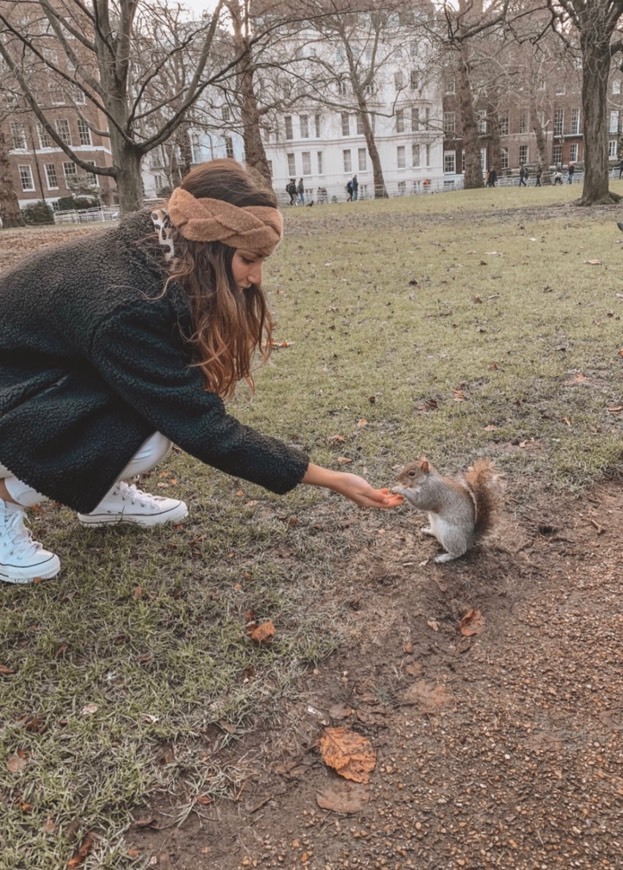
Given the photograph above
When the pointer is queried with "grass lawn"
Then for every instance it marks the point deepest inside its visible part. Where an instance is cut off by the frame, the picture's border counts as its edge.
(455, 325)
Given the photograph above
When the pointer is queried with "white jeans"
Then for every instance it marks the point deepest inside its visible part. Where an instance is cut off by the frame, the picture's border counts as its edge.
(150, 454)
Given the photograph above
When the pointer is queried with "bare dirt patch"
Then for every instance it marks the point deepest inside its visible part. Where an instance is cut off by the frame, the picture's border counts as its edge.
(499, 745)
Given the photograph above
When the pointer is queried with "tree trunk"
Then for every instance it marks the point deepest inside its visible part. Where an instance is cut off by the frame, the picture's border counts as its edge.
(254, 152)
(541, 141)
(495, 146)
(596, 67)
(471, 142)
(380, 191)
(9, 206)
(127, 160)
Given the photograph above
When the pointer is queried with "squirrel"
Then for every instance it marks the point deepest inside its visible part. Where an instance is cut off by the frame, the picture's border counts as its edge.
(460, 510)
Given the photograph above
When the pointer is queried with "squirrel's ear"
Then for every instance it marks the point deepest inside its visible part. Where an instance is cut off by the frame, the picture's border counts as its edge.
(424, 465)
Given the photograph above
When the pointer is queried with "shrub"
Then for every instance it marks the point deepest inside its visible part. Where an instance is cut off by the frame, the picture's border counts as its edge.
(38, 213)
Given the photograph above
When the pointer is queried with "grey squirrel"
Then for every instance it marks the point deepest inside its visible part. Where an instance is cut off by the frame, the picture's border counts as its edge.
(460, 510)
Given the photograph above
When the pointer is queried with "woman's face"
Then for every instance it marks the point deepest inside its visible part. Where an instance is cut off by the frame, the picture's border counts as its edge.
(246, 268)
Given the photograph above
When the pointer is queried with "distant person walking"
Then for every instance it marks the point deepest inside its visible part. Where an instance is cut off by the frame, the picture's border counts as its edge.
(355, 187)
(570, 171)
(539, 173)
(291, 189)
(558, 174)
(523, 176)
(621, 169)
(300, 189)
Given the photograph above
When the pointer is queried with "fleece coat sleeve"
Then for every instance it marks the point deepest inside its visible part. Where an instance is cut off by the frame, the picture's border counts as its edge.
(139, 353)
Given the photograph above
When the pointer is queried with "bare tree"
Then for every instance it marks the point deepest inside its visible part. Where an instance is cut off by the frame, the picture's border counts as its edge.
(595, 22)
(99, 43)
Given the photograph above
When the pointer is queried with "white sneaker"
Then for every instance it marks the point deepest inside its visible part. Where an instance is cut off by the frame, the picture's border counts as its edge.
(22, 560)
(127, 504)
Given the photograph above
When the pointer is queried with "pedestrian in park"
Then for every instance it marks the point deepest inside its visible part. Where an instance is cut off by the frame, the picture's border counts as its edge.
(291, 190)
(558, 174)
(355, 187)
(570, 171)
(349, 190)
(538, 174)
(523, 175)
(300, 189)
(116, 345)
(621, 169)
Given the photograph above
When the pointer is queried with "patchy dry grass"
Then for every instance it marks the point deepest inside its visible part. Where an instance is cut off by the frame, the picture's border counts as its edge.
(456, 325)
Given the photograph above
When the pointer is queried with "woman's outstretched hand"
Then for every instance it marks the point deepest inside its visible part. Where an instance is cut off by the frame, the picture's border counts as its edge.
(351, 486)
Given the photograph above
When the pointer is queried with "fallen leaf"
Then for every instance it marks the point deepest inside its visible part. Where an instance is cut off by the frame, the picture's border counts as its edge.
(81, 854)
(337, 439)
(16, 763)
(204, 799)
(264, 632)
(6, 671)
(459, 395)
(490, 428)
(343, 460)
(593, 262)
(427, 696)
(348, 753)
(432, 623)
(343, 797)
(615, 409)
(472, 623)
(361, 423)
(276, 344)
(89, 709)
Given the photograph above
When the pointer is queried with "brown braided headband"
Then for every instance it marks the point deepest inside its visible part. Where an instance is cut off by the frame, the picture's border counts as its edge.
(254, 228)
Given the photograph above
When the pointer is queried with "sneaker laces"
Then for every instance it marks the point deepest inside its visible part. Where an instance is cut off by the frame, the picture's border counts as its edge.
(131, 493)
(19, 537)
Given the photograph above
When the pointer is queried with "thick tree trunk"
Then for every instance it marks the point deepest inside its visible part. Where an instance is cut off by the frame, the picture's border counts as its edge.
(254, 152)
(495, 146)
(380, 191)
(471, 142)
(596, 67)
(127, 160)
(539, 133)
(9, 206)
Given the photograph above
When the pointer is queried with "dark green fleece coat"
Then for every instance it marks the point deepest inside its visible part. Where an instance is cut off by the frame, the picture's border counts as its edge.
(93, 360)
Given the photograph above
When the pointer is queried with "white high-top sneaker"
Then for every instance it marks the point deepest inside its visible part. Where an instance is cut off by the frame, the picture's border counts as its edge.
(22, 560)
(127, 504)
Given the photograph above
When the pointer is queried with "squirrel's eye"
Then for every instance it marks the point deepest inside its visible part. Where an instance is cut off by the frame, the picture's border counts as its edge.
(412, 474)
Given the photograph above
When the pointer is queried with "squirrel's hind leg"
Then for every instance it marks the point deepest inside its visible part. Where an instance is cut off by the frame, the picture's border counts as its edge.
(446, 557)
(426, 530)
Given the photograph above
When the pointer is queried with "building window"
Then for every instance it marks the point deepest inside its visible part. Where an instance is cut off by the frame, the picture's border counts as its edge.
(229, 146)
(304, 123)
(288, 125)
(317, 124)
(573, 152)
(78, 95)
(62, 128)
(291, 165)
(362, 159)
(415, 155)
(559, 122)
(400, 121)
(616, 86)
(84, 132)
(25, 177)
(614, 121)
(449, 161)
(225, 113)
(400, 157)
(18, 136)
(523, 154)
(70, 171)
(560, 89)
(45, 140)
(414, 80)
(345, 124)
(449, 123)
(306, 157)
(504, 125)
(348, 162)
(398, 80)
(504, 158)
(415, 119)
(92, 176)
(557, 154)
(575, 121)
(359, 124)
(523, 123)
(482, 121)
(612, 148)
(51, 176)
(56, 92)
(320, 162)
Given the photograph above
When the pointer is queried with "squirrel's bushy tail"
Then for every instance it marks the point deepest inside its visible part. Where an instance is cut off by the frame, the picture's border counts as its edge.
(485, 484)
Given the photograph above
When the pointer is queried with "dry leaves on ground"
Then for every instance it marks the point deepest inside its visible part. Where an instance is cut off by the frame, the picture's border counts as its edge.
(348, 753)
(472, 623)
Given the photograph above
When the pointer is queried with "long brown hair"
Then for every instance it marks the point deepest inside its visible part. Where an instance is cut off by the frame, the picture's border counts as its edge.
(230, 325)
